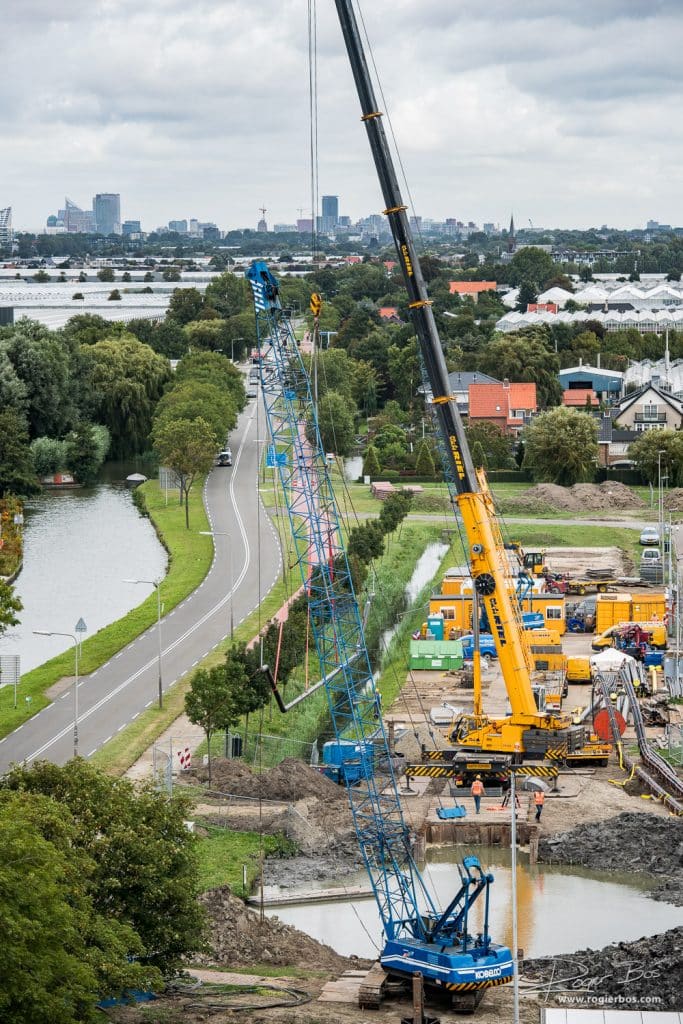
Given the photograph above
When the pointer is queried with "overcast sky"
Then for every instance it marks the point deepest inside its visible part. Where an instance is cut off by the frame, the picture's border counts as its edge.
(567, 113)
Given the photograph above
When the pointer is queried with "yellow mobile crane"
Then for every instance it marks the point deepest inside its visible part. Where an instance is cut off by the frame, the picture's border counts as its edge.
(527, 730)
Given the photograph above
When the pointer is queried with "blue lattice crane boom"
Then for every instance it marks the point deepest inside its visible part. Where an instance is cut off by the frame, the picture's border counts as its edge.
(419, 937)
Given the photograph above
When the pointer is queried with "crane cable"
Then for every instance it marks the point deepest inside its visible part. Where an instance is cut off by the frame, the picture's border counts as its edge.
(313, 122)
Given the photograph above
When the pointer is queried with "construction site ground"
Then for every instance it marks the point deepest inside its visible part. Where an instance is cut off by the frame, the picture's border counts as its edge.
(591, 810)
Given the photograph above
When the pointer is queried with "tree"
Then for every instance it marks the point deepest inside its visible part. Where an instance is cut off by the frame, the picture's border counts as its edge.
(146, 867)
(186, 305)
(213, 368)
(561, 446)
(190, 399)
(187, 447)
(532, 265)
(114, 295)
(336, 424)
(106, 274)
(494, 444)
(371, 466)
(364, 387)
(394, 509)
(366, 541)
(125, 276)
(44, 365)
(127, 379)
(645, 452)
(83, 454)
(9, 604)
(210, 701)
(524, 357)
(17, 475)
(49, 456)
(62, 954)
(527, 296)
(479, 456)
(424, 463)
(227, 294)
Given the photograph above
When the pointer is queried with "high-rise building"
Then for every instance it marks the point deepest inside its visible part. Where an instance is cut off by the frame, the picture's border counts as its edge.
(107, 209)
(131, 227)
(178, 226)
(330, 213)
(76, 220)
(6, 233)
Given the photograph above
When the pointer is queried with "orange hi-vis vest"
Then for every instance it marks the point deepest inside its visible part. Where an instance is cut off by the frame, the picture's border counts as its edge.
(477, 788)
(539, 797)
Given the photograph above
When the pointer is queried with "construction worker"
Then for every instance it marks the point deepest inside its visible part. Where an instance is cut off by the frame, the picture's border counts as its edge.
(478, 792)
(539, 799)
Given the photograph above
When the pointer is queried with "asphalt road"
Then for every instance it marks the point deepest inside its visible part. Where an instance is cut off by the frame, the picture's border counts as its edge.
(116, 693)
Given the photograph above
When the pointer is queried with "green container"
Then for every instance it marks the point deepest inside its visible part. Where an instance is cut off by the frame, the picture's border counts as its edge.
(436, 655)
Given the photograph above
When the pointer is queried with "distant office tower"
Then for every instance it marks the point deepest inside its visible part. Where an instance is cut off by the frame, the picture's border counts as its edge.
(76, 220)
(179, 226)
(131, 227)
(304, 225)
(6, 234)
(107, 209)
(330, 215)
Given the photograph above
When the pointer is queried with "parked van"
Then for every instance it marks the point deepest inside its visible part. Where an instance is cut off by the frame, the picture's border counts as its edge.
(651, 556)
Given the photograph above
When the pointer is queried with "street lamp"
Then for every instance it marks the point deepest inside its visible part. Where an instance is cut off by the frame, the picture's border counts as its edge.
(157, 586)
(215, 533)
(80, 628)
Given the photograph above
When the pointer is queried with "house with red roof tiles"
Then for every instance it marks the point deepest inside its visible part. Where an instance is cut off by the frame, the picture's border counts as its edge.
(389, 314)
(473, 289)
(510, 405)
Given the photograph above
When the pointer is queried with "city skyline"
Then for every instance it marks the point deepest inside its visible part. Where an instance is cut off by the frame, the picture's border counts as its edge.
(562, 116)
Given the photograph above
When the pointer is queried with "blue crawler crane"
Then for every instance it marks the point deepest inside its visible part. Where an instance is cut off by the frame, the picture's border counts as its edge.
(419, 937)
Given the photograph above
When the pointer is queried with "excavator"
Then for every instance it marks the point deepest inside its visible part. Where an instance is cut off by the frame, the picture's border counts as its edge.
(527, 731)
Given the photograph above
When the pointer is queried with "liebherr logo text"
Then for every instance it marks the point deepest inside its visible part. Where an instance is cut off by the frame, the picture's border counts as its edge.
(497, 621)
(457, 458)
(407, 261)
(490, 972)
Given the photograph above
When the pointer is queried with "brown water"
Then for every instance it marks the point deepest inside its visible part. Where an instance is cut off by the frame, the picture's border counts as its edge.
(560, 910)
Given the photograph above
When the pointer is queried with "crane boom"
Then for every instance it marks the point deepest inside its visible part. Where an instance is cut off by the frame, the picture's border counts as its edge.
(419, 937)
(469, 491)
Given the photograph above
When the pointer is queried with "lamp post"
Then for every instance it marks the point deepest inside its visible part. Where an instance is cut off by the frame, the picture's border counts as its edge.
(216, 533)
(157, 586)
(660, 503)
(80, 628)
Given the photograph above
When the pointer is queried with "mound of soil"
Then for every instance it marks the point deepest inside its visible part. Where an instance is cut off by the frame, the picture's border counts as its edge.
(645, 973)
(291, 780)
(238, 938)
(581, 497)
(629, 842)
(673, 499)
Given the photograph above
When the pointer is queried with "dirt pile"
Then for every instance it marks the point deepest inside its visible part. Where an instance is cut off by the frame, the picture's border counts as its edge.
(238, 938)
(291, 780)
(673, 499)
(604, 497)
(628, 975)
(630, 842)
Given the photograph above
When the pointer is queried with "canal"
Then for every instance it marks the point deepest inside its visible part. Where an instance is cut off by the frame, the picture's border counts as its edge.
(79, 547)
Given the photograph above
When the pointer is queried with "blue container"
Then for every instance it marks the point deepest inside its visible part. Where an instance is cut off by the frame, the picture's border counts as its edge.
(347, 761)
(435, 626)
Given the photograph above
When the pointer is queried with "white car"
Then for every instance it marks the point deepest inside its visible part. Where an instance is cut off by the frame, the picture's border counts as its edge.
(650, 535)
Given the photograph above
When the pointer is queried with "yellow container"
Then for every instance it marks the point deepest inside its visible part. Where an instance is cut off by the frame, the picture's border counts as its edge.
(648, 608)
(611, 609)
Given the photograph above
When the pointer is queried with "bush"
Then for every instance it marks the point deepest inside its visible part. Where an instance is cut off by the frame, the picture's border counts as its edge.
(115, 295)
(77, 295)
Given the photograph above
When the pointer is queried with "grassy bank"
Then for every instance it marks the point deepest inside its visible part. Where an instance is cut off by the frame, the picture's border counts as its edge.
(305, 723)
(190, 558)
(226, 856)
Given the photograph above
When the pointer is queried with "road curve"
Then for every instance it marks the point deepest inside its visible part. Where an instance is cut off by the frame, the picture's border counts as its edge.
(115, 694)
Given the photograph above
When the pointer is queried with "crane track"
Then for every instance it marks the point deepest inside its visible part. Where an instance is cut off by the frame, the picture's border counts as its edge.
(658, 776)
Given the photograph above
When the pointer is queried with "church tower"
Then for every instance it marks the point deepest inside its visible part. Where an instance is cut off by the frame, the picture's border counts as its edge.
(512, 241)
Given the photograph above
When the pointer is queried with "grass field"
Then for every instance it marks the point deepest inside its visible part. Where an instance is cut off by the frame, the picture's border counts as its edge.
(225, 857)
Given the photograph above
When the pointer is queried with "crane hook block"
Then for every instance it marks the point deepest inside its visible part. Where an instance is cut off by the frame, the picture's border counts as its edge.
(485, 584)
(316, 303)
